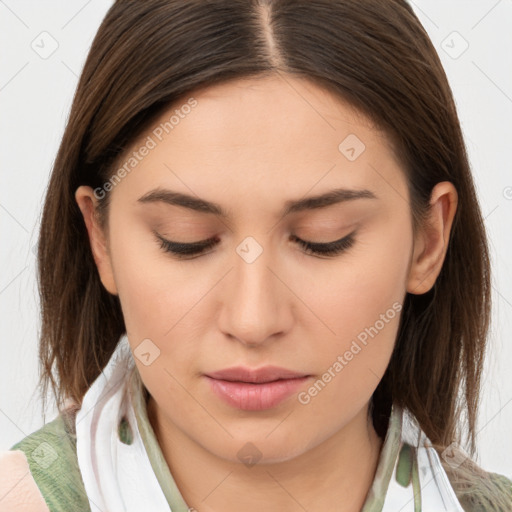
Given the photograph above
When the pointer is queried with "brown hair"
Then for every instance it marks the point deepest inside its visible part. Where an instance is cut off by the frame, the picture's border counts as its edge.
(374, 54)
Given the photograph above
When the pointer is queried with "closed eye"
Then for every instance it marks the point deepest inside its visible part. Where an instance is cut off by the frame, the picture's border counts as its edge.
(189, 250)
(328, 248)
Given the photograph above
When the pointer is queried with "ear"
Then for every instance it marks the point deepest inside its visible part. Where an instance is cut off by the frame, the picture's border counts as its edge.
(431, 241)
(87, 202)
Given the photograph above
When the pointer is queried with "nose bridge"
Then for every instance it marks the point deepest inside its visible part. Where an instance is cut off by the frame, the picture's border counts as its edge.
(251, 269)
(253, 308)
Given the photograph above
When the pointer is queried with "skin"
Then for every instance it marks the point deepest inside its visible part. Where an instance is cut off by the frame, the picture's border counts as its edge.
(251, 145)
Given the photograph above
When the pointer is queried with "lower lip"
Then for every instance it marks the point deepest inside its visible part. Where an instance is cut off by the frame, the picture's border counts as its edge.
(255, 397)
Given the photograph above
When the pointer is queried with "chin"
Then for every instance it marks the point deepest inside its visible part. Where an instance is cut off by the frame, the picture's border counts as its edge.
(259, 448)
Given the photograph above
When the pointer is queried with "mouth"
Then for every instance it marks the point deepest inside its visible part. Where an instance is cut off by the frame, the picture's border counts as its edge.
(255, 390)
(255, 376)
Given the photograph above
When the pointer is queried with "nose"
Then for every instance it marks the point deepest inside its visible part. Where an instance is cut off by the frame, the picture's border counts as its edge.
(256, 304)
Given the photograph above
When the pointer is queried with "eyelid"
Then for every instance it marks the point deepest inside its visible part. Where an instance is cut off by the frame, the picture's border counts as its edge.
(327, 249)
(193, 250)
(185, 248)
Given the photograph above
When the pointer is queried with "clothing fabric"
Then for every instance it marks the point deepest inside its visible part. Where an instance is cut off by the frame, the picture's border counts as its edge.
(105, 456)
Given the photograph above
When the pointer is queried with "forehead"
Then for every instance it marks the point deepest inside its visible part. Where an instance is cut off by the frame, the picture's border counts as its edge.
(274, 136)
(249, 113)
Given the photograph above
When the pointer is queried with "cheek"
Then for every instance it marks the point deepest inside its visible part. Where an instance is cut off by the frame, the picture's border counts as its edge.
(155, 292)
(157, 297)
(359, 298)
(351, 291)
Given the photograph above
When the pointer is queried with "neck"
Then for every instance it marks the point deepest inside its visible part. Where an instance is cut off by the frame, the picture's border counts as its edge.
(334, 476)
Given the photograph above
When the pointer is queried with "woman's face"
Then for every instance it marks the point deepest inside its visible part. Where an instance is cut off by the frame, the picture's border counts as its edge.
(256, 297)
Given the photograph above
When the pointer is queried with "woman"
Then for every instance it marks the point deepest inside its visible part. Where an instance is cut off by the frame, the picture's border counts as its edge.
(263, 268)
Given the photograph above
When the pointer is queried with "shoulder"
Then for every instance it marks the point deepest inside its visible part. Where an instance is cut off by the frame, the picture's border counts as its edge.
(48, 457)
(492, 493)
(479, 491)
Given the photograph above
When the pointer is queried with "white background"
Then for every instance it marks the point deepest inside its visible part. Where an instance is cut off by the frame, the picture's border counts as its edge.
(35, 97)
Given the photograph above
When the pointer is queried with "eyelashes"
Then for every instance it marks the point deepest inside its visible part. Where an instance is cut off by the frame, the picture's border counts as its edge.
(191, 250)
(326, 249)
(185, 250)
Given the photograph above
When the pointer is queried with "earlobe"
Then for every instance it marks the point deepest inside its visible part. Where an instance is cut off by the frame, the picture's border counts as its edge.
(87, 202)
(432, 239)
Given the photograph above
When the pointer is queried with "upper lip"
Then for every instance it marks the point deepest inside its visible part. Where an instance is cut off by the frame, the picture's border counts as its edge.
(258, 375)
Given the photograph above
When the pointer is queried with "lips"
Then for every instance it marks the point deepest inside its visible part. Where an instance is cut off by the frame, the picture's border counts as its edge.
(255, 389)
(260, 375)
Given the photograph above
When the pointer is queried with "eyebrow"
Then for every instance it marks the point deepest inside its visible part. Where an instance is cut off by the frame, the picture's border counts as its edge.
(335, 196)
